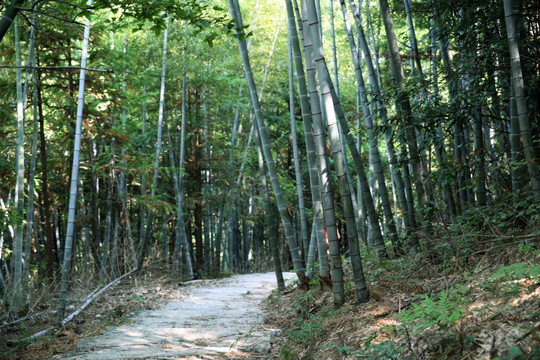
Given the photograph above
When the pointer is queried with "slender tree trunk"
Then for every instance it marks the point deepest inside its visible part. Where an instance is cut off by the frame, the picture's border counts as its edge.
(415, 60)
(50, 246)
(30, 212)
(142, 212)
(145, 234)
(334, 102)
(314, 177)
(70, 232)
(330, 101)
(265, 142)
(374, 150)
(207, 171)
(439, 145)
(359, 225)
(380, 106)
(271, 223)
(531, 155)
(233, 214)
(123, 215)
(515, 143)
(186, 248)
(325, 175)
(299, 187)
(181, 246)
(404, 108)
(95, 239)
(480, 151)
(16, 300)
(105, 252)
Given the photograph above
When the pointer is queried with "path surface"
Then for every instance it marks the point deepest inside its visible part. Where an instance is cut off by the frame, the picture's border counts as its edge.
(216, 319)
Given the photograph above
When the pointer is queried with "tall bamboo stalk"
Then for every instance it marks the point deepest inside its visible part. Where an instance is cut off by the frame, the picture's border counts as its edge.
(19, 186)
(145, 234)
(518, 85)
(70, 231)
(265, 141)
(314, 177)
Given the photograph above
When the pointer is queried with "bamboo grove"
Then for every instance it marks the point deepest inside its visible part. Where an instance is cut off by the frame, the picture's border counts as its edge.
(209, 137)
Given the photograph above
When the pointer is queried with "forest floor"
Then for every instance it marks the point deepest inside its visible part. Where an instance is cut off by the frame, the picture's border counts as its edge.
(479, 298)
(480, 301)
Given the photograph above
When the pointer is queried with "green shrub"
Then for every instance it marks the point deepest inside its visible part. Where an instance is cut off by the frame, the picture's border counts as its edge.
(443, 312)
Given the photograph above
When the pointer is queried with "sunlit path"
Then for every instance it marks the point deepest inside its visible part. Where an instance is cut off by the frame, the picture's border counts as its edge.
(216, 318)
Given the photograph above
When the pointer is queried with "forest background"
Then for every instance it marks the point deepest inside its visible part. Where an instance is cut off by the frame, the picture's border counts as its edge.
(131, 138)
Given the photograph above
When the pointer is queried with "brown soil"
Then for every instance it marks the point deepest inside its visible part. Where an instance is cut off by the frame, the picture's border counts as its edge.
(500, 315)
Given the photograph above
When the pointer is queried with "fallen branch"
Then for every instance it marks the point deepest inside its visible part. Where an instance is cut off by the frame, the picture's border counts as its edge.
(186, 283)
(93, 295)
(21, 320)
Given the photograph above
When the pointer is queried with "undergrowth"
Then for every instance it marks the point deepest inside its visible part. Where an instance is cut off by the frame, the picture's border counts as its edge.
(477, 298)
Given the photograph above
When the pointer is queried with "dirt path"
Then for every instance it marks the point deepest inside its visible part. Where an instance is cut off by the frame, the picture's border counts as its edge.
(217, 320)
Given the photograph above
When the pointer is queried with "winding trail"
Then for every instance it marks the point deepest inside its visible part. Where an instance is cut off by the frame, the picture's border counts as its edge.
(216, 320)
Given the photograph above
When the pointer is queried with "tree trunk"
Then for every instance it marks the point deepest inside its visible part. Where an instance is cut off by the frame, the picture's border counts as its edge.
(531, 155)
(374, 150)
(382, 112)
(16, 299)
(314, 177)
(271, 223)
(296, 155)
(70, 231)
(265, 142)
(404, 108)
(30, 212)
(330, 100)
(145, 235)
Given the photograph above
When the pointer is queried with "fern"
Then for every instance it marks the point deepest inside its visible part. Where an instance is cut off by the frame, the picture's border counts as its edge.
(443, 312)
(516, 271)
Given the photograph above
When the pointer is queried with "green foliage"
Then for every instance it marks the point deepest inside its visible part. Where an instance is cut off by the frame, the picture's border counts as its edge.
(340, 350)
(515, 353)
(288, 353)
(201, 14)
(505, 282)
(9, 218)
(275, 298)
(529, 248)
(308, 325)
(241, 338)
(442, 312)
(307, 330)
(386, 350)
(136, 297)
(304, 303)
(516, 271)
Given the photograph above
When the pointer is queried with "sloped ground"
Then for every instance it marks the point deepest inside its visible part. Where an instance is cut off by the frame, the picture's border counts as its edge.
(481, 301)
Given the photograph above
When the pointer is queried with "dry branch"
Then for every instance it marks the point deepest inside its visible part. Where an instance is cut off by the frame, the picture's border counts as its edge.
(93, 295)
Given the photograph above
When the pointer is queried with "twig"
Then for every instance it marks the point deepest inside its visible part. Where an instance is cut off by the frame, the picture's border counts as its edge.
(409, 343)
(533, 329)
(21, 320)
(89, 300)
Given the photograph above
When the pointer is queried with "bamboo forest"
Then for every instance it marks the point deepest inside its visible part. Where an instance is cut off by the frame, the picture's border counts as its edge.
(270, 179)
